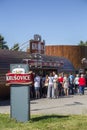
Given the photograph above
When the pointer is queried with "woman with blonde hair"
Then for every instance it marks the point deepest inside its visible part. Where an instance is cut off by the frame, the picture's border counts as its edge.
(46, 85)
(66, 84)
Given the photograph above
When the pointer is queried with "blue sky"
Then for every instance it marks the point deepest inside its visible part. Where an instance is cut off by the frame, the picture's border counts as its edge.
(59, 22)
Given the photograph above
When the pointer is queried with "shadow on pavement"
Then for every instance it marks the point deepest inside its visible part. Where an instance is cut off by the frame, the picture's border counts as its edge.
(74, 103)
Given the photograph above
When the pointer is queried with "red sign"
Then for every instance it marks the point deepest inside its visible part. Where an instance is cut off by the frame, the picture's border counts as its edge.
(18, 78)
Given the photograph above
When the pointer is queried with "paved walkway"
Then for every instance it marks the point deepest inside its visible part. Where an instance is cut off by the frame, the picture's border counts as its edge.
(65, 105)
(73, 104)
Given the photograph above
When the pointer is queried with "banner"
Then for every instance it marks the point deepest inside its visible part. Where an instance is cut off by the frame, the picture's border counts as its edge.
(12, 78)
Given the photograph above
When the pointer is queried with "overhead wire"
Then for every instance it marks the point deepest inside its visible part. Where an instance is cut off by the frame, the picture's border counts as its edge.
(20, 45)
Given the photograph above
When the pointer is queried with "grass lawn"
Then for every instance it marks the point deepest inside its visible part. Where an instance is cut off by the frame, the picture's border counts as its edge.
(45, 122)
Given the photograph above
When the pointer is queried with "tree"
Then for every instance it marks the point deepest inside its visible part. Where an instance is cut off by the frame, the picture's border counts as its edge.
(86, 43)
(3, 43)
(15, 47)
(82, 43)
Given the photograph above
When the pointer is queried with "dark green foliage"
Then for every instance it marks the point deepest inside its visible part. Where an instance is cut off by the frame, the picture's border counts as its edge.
(3, 43)
(82, 43)
(15, 47)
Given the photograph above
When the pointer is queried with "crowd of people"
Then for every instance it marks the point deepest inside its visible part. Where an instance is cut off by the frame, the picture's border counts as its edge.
(56, 85)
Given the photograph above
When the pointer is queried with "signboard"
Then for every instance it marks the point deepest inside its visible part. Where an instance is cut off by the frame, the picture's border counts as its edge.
(19, 68)
(41, 63)
(12, 78)
(19, 78)
(18, 75)
(37, 47)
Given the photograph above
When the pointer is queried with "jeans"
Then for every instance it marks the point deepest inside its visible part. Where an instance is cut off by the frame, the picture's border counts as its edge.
(81, 89)
(50, 91)
(71, 89)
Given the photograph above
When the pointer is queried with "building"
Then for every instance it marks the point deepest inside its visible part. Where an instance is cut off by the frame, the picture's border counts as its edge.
(71, 52)
(37, 62)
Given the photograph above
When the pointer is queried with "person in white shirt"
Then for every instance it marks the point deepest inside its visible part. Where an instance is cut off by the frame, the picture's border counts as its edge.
(76, 83)
(50, 91)
(55, 84)
(37, 86)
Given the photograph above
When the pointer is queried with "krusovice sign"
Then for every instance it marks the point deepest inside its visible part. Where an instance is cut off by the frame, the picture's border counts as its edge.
(13, 78)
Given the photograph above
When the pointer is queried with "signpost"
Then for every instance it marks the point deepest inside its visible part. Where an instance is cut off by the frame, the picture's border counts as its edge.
(19, 79)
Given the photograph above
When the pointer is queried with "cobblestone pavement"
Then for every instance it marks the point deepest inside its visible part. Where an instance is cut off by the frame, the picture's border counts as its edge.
(73, 104)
